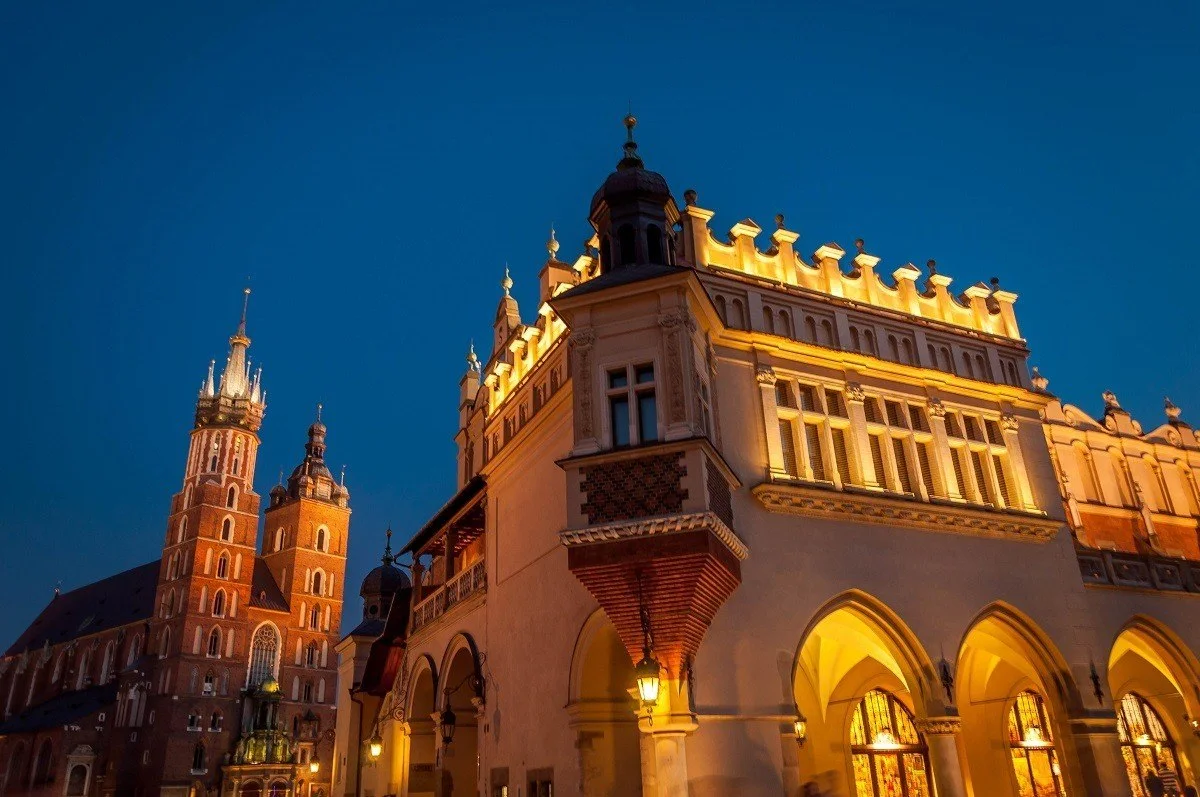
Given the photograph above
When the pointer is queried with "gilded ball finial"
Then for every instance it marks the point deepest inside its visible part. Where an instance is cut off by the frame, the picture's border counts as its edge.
(507, 282)
(630, 123)
(552, 244)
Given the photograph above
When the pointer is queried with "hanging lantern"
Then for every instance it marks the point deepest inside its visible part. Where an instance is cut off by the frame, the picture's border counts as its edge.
(800, 728)
(314, 764)
(375, 747)
(647, 674)
(449, 723)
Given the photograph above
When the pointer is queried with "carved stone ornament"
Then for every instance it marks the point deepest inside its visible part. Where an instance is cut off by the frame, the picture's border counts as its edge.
(1009, 422)
(1110, 400)
(673, 319)
(855, 392)
(673, 324)
(938, 726)
(581, 345)
(936, 408)
(765, 375)
(582, 338)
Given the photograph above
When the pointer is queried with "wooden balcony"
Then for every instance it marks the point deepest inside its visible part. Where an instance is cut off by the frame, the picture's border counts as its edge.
(1138, 571)
(456, 590)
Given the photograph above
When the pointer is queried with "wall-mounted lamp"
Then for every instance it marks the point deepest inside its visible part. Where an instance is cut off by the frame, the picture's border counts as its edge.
(800, 729)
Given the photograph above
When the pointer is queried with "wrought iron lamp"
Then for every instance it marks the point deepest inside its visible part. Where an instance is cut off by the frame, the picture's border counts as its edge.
(800, 728)
(375, 746)
(314, 764)
(647, 672)
(449, 722)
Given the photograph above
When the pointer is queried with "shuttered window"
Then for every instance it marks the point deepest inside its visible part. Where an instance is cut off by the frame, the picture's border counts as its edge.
(902, 472)
(877, 459)
(812, 435)
(841, 457)
(787, 436)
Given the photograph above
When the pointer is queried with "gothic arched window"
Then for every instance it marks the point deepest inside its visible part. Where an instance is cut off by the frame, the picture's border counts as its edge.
(77, 780)
(227, 528)
(198, 758)
(182, 530)
(1146, 746)
(218, 606)
(264, 651)
(321, 539)
(214, 643)
(1035, 761)
(223, 566)
(279, 539)
(214, 724)
(888, 755)
(316, 583)
(231, 498)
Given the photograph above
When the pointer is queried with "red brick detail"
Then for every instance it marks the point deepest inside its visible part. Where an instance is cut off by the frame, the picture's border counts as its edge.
(634, 488)
(685, 579)
(720, 501)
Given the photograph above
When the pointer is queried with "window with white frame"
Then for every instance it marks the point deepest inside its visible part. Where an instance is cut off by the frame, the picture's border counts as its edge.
(632, 406)
(814, 432)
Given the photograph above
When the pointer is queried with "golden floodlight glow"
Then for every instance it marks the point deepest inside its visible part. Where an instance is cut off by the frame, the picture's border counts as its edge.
(884, 740)
(1034, 738)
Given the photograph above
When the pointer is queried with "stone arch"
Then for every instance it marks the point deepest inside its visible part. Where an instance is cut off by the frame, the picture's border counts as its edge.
(601, 710)
(1002, 655)
(1147, 658)
(853, 645)
(461, 689)
(461, 641)
(419, 701)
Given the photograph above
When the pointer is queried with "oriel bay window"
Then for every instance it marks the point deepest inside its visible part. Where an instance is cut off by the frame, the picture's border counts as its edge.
(632, 407)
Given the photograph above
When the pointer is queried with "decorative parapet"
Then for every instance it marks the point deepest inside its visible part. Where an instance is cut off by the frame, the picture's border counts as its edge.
(469, 582)
(652, 527)
(1137, 571)
(980, 307)
(794, 499)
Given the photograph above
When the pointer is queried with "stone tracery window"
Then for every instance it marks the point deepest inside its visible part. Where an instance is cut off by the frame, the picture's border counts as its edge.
(264, 652)
(889, 757)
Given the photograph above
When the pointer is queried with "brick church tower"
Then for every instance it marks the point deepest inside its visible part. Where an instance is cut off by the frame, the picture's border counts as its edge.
(235, 691)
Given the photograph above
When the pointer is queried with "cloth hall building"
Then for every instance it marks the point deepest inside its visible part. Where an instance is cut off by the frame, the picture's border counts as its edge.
(209, 671)
(730, 520)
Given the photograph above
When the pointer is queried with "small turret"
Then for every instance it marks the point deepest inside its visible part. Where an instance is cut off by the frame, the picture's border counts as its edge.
(238, 399)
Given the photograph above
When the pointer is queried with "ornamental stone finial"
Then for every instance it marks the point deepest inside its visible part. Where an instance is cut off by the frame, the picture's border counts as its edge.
(1173, 412)
(1110, 400)
(552, 244)
(779, 221)
(689, 197)
(860, 245)
(507, 282)
(1039, 382)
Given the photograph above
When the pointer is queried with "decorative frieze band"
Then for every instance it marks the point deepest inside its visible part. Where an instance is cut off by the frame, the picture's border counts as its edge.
(649, 527)
(938, 726)
(791, 499)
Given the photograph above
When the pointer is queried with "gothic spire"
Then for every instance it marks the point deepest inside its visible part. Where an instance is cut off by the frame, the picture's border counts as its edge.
(235, 380)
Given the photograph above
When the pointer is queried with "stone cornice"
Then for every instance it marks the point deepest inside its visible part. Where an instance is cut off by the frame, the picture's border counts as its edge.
(796, 499)
(649, 527)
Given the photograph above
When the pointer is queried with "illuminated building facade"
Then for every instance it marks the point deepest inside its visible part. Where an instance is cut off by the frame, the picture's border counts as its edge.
(210, 670)
(733, 520)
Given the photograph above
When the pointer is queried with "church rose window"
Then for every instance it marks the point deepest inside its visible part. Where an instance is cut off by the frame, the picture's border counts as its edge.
(263, 652)
(889, 757)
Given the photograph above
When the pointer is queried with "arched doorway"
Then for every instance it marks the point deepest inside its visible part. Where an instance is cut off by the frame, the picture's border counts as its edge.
(251, 788)
(460, 758)
(1152, 677)
(602, 712)
(1031, 740)
(889, 756)
(1014, 693)
(1146, 746)
(860, 671)
(422, 746)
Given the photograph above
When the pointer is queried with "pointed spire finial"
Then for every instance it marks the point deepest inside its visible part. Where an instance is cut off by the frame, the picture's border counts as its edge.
(631, 160)
(388, 558)
(552, 244)
(342, 480)
(507, 282)
(245, 306)
(281, 477)
(320, 407)
(472, 358)
(57, 589)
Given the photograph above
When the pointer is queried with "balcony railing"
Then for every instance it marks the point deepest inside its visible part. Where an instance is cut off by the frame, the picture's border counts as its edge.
(1138, 571)
(455, 591)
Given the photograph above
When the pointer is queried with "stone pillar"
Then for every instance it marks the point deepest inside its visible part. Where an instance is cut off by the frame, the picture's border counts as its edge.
(1098, 752)
(766, 384)
(859, 437)
(1010, 429)
(941, 735)
(664, 760)
(941, 448)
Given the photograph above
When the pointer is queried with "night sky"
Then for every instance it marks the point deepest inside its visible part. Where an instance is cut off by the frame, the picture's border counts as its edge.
(371, 168)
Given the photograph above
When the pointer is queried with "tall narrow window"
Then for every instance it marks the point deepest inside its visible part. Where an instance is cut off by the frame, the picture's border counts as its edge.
(787, 437)
(227, 530)
(264, 650)
(1031, 741)
(626, 239)
(654, 244)
(316, 583)
(902, 472)
(231, 498)
(214, 644)
(198, 759)
(1146, 746)
(218, 605)
(223, 566)
(633, 410)
(320, 539)
(812, 436)
(841, 455)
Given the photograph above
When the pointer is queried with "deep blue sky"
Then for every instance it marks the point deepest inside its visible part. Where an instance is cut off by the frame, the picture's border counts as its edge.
(372, 167)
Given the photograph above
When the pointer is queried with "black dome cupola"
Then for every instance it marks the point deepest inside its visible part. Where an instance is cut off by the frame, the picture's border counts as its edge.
(634, 213)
